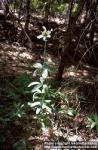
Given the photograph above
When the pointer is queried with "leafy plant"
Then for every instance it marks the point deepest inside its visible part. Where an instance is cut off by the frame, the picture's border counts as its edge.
(68, 111)
(44, 96)
(57, 6)
(93, 121)
(22, 144)
(18, 87)
(42, 103)
(42, 69)
(17, 111)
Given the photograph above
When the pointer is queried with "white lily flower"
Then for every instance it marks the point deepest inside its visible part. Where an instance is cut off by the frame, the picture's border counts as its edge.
(45, 34)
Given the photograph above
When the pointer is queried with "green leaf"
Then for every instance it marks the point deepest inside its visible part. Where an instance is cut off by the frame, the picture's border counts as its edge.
(38, 110)
(90, 120)
(35, 73)
(36, 95)
(96, 118)
(33, 83)
(34, 104)
(42, 79)
(38, 66)
(87, 126)
(47, 101)
(93, 125)
(36, 89)
(44, 88)
(70, 112)
(61, 111)
(19, 115)
(47, 108)
(45, 73)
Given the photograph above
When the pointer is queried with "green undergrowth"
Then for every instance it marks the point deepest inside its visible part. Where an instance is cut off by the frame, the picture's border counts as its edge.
(37, 102)
(14, 96)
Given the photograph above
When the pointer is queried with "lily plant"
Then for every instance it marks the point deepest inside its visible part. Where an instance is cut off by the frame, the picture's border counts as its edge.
(42, 93)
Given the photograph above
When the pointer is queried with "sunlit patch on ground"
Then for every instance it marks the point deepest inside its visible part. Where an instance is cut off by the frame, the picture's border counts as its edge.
(81, 75)
(15, 58)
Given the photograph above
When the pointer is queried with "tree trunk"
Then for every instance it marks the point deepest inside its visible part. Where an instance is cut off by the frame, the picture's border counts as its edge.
(27, 15)
(68, 37)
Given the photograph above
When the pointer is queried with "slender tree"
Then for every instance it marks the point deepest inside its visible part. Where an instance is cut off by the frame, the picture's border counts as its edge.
(69, 36)
(27, 21)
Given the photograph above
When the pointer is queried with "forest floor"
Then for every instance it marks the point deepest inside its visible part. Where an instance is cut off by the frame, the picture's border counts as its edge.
(16, 72)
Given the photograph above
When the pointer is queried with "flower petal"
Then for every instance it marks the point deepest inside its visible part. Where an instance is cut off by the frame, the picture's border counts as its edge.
(44, 38)
(44, 28)
(48, 32)
(49, 36)
(40, 36)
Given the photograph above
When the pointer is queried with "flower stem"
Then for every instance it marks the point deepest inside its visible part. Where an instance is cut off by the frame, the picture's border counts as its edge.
(45, 50)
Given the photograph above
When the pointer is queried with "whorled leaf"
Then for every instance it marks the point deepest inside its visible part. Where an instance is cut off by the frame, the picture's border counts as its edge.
(38, 111)
(33, 104)
(45, 73)
(33, 83)
(38, 66)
